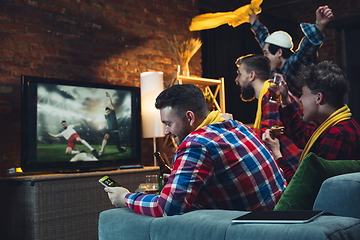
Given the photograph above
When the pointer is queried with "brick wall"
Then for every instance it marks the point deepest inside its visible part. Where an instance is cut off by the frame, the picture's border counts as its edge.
(107, 41)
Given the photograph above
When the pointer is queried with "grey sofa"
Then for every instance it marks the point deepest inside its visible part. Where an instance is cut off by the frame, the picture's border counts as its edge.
(339, 195)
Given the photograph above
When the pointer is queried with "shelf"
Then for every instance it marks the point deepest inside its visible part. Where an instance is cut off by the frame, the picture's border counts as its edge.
(207, 82)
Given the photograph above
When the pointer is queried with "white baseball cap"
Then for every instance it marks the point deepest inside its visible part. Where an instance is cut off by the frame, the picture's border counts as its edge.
(281, 39)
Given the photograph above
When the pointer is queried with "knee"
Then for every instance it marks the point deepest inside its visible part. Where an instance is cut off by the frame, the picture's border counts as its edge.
(106, 137)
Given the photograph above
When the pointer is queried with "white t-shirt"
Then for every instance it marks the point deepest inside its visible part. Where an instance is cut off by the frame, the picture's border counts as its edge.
(67, 132)
(83, 157)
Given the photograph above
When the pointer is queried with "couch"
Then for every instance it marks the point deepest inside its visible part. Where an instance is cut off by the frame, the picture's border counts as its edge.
(336, 194)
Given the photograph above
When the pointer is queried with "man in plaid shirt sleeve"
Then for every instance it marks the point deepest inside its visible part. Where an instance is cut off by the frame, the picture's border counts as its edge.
(253, 72)
(278, 46)
(218, 165)
(338, 135)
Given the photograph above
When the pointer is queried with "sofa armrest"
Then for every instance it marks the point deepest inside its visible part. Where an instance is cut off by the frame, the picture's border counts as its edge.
(340, 195)
(123, 223)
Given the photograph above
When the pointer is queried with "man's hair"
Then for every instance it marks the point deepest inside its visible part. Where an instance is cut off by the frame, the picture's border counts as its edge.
(182, 98)
(107, 108)
(326, 78)
(63, 121)
(286, 52)
(257, 63)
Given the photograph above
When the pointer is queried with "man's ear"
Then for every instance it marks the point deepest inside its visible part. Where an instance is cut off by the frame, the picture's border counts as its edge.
(190, 118)
(320, 98)
(252, 76)
(280, 52)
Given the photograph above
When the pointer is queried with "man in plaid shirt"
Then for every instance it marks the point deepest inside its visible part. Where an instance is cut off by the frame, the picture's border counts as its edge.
(253, 72)
(218, 165)
(278, 46)
(338, 135)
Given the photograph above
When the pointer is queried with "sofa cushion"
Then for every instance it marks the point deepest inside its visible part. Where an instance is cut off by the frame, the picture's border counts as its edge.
(301, 192)
(200, 224)
(339, 195)
(323, 227)
(217, 224)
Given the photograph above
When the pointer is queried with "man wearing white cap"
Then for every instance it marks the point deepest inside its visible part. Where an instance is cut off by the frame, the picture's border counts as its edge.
(278, 46)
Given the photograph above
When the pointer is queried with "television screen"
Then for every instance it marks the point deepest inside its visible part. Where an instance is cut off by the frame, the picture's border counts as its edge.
(74, 126)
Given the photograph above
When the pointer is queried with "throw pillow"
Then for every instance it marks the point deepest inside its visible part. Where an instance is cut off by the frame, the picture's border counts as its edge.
(301, 192)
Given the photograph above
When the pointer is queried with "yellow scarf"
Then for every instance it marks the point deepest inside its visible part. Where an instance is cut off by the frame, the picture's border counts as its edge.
(235, 18)
(257, 123)
(336, 117)
(213, 117)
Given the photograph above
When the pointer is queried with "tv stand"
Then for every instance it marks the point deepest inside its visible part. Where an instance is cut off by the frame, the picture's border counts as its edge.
(61, 205)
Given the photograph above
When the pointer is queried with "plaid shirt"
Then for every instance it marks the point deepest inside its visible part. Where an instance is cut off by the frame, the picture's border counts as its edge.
(340, 142)
(306, 52)
(220, 166)
(270, 117)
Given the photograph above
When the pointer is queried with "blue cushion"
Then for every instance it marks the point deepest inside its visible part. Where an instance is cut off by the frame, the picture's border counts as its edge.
(339, 195)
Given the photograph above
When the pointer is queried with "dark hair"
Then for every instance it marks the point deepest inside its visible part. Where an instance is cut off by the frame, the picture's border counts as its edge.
(326, 78)
(63, 121)
(107, 108)
(286, 52)
(257, 63)
(182, 98)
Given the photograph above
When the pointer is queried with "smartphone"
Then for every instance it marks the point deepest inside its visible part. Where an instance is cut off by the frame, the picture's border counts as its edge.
(108, 182)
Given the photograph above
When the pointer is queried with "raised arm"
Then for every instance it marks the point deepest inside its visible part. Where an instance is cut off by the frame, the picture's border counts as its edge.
(50, 134)
(78, 124)
(253, 17)
(111, 103)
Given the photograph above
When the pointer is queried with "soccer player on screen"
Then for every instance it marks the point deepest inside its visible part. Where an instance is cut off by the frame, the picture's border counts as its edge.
(113, 128)
(72, 136)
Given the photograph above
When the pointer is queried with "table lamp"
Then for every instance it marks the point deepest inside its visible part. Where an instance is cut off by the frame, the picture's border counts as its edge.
(151, 85)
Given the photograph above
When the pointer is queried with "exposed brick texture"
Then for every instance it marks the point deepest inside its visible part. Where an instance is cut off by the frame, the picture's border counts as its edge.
(106, 41)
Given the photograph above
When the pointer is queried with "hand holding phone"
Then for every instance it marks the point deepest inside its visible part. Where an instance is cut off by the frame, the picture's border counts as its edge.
(108, 182)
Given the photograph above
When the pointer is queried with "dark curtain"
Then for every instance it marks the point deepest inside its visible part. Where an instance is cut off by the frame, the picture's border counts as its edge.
(353, 70)
(221, 47)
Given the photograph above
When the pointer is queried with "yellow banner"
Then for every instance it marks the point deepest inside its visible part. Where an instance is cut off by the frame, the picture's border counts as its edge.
(235, 18)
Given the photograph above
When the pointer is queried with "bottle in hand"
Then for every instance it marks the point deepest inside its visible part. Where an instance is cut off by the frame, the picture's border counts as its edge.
(164, 168)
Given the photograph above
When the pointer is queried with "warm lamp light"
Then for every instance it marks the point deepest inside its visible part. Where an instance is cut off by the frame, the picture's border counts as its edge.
(151, 85)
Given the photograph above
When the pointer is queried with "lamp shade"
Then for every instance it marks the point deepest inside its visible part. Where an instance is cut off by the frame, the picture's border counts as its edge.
(151, 85)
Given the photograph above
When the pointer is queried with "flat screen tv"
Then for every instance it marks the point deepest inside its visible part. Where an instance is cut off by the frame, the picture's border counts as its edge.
(66, 124)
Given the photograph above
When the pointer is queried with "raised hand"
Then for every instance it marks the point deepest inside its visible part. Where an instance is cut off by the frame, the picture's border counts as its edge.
(323, 16)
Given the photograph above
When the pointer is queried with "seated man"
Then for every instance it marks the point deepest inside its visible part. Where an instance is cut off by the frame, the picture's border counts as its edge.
(324, 87)
(253, 73)
(218, 165)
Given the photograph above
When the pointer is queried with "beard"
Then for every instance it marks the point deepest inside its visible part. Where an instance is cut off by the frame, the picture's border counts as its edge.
(247, 93)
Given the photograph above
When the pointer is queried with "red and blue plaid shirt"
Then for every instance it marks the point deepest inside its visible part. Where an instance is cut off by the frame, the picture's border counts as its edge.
(306, 52)
(270, 117)
(340, 142)
(220, 166)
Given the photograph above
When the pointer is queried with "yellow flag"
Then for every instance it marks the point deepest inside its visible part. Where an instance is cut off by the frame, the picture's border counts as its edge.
(235, 18)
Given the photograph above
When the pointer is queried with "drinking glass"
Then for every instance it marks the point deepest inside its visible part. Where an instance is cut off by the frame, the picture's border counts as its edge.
(274, 95)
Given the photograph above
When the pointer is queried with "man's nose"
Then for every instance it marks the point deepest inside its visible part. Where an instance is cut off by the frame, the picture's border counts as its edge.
(167, 132)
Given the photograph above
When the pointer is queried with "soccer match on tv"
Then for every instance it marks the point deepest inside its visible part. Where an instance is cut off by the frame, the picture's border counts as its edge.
(82, 123)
